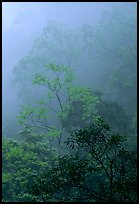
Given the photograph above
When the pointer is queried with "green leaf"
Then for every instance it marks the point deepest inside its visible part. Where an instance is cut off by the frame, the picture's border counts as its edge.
(54, 133)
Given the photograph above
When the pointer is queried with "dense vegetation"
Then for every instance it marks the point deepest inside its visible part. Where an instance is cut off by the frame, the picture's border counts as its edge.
(77, 138)
(98, 166)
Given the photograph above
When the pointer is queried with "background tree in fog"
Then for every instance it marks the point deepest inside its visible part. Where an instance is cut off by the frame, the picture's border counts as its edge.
(103, 57)
(64, 107)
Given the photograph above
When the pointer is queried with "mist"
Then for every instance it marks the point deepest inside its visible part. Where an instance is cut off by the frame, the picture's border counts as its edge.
(64, 64)
(22, 23)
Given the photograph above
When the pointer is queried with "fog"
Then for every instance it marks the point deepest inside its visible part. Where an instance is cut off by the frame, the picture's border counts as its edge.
(69, 101)
(22, 23)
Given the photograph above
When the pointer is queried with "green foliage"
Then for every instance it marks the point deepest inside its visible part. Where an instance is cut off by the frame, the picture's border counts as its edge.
(26, 110)
(62, 76)
(99, 168)
(54, 132)
(110, 46)
(62, 92)
(81, 109)
(21, 163)
(114, 115)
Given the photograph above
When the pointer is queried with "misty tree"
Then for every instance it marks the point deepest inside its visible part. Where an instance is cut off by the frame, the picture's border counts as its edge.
(113, 41)
(22, 162)
(114, 114)
(64, 151)
(57, 44)
(50, 114)
(99, 168)
(104, 53)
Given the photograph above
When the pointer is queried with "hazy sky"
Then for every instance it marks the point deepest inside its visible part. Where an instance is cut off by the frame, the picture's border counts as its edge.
(22, 22)
(72, 13)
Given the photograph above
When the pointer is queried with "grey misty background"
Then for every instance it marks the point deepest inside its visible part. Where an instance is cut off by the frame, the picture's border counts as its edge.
(23, 23)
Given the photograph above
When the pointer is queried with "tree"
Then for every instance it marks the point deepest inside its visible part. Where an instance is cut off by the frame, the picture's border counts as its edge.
(99, 168)
(51, 113)
(113, 41)
(114, 115)
(56, 44)
(104, 53)
(22, 162)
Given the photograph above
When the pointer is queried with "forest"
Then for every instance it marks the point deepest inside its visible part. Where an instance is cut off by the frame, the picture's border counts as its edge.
(73, 135)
